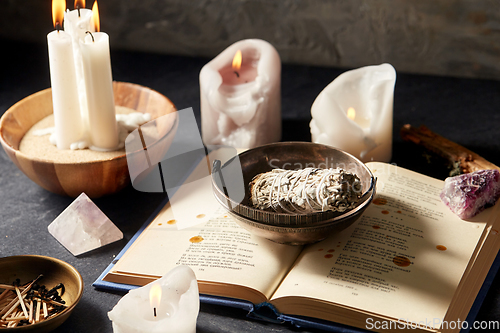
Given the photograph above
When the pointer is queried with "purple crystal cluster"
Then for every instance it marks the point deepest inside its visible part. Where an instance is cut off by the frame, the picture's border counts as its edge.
(469, 194)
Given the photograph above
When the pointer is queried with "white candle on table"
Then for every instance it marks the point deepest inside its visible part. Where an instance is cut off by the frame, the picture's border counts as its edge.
(168, 305)
(77, 23)
(241, 107)
(67, 118)
(99, 87)
(354, 113)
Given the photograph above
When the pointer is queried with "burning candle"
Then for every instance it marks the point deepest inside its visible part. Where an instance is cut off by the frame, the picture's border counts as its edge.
(77, 23)
(240, 96)
(67, 118)
(354, 113)
(99, 87)
(168, 305)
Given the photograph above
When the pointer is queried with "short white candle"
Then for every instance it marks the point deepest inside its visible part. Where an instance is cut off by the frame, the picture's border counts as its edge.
(176, 305)
(354, 113)
(77, 23)
(99, 87)
(242, 107)
(67, 118)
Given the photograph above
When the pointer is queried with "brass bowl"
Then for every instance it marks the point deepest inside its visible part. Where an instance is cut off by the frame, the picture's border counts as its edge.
(283, 228)
(55, 271)
(96, 178)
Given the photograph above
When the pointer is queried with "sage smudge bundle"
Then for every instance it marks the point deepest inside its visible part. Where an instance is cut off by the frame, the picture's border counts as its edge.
(305, 191)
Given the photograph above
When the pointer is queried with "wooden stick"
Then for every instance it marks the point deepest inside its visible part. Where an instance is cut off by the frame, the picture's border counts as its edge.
(9, 287)
(11, 309)
(459, 157)
(37, 315)
(4, 293)
(21, 300)
(45, 312)
(30, 319)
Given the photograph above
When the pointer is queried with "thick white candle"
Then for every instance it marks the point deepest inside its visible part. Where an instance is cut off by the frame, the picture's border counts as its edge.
(176, 306)
(354, 113)
(67, 118)
(242, 108)
(77, 23)
(99, 86)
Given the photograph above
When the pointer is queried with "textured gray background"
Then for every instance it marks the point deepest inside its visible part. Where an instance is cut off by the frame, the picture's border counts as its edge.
(440, 37)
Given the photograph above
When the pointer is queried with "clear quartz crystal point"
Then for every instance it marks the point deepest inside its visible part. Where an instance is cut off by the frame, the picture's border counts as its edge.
(83, 227)
(469, 194)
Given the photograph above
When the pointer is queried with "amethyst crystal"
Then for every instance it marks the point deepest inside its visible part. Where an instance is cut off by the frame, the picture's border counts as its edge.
(468, 194)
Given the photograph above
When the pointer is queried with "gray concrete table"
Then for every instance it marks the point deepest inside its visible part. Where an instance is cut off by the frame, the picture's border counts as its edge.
(463, 110)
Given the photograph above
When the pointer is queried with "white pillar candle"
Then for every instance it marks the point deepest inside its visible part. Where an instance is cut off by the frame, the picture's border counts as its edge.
(77, 23)
(354, 113)
(99, 85)
(174, 299)
(67, 119)
(242, 107)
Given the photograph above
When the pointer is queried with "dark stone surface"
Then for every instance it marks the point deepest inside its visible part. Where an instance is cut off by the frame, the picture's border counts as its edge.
(463, 110)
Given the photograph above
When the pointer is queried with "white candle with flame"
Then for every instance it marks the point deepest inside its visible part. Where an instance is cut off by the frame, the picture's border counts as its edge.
(354, 113)
(168, 305)
(67, 118)
(240, 96)
(77, 23)
(99, 86)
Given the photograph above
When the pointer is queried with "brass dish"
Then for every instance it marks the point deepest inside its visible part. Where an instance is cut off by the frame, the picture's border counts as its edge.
(285, 228)
(55, 271)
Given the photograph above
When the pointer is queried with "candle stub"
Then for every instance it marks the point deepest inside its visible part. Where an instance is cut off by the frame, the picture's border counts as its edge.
(240, 96)
(167, 305)
(354, 113)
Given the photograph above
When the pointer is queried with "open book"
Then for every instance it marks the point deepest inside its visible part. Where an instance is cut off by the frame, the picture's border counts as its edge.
(408, 261)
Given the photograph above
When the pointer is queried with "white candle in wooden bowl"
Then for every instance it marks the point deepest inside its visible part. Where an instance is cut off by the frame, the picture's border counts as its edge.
(241, 102)
(77, 23)
(99, 86)
(66, 108)
(354, 113)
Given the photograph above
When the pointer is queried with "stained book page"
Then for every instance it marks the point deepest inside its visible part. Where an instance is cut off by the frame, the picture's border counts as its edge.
(217, 249)
(402, 259)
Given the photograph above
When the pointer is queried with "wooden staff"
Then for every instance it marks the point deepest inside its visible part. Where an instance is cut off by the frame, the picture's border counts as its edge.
(462, 159)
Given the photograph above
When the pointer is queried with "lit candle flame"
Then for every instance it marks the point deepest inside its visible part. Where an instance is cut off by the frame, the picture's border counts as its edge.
(351, 113)
(154, 297)
(237, 61)
(58, 8)
(79, 3)
(95, 17)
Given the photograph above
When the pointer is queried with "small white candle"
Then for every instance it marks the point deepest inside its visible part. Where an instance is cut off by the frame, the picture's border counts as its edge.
(77, 23)
(67, 118)
(241, 106)
(99, 87)
(354, 113)
(168, 305)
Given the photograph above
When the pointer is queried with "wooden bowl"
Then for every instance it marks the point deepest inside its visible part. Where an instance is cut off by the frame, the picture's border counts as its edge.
(96, 178)
(55, 271)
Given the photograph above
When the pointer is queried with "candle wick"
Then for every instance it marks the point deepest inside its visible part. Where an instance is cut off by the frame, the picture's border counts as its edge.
(78, 9)
(154, 310)
(237, 74)
(88, 32)
(58, 26)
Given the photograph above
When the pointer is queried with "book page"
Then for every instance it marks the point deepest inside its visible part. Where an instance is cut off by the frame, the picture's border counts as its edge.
(402, 259)
(217, 249)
